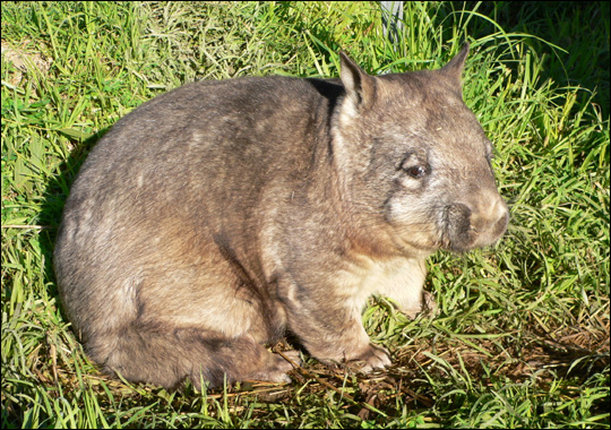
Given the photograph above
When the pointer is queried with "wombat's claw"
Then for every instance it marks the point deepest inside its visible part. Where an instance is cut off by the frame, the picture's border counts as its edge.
(271, 376)
(291, 357)
(277, 371)
(429, 305)
(375, 357)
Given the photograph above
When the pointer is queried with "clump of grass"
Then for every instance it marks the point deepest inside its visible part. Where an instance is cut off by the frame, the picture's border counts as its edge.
(521, 339)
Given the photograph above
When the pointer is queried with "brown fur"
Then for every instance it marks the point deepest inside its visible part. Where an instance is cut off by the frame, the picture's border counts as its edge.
(217, 216)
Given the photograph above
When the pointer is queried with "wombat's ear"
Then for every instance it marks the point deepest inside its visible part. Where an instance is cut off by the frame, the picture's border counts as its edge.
(360, 87)
(454, 68)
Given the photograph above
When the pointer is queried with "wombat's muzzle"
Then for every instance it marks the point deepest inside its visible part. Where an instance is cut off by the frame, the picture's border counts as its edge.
(473, 225)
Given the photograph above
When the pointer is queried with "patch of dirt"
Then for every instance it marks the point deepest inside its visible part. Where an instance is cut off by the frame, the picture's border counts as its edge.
(25, 62)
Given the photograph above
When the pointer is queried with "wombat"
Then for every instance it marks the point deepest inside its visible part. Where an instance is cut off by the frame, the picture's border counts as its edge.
(216, 217)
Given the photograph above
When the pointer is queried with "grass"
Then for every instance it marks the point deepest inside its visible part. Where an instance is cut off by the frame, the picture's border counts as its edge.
(522, 338)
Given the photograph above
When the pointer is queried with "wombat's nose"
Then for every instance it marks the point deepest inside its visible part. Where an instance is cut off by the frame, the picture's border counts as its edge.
(489, 221)
(500, 216)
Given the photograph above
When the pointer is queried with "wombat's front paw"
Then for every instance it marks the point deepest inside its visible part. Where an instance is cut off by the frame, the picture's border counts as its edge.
(426, 307)
(292, 357)
(429, 305)
(373, 357)
(277, 367)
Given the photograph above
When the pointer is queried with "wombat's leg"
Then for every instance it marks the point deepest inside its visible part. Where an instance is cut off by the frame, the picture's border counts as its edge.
(332, 331)
(404, 287)
(165, 355)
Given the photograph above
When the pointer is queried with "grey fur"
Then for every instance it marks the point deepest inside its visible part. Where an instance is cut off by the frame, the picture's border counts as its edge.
(215, 217)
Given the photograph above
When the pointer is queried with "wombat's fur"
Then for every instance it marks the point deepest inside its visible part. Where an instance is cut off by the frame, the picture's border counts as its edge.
(215, 217)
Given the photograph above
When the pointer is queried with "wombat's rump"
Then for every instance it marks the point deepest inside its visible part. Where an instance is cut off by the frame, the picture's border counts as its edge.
(217, 216)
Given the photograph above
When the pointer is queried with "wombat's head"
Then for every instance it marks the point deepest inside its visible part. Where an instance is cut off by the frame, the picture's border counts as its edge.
(414, 162)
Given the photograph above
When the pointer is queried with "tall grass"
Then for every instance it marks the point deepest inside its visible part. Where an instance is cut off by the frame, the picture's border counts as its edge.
(522, 337)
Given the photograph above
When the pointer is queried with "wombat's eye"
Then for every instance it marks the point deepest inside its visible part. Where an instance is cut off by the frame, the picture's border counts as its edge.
(417, 172)
(415, 166)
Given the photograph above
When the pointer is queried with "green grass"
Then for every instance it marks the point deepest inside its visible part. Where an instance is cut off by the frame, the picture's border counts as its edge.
(522, 338)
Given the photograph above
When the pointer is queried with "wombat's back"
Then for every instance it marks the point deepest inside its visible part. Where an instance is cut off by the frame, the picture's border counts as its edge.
(212, 126)
(205, 148)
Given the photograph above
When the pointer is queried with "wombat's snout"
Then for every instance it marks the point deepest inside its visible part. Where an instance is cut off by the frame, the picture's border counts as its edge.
(476, 223)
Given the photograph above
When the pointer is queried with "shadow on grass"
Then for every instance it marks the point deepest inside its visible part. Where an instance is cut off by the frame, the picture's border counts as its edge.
(581, 28)
(54, 199)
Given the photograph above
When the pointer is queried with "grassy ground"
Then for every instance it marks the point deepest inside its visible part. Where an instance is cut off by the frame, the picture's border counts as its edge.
(522, 339)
